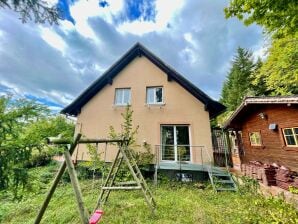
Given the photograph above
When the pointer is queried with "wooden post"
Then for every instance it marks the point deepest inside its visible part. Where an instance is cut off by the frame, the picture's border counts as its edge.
(55, 182)
(77, 190)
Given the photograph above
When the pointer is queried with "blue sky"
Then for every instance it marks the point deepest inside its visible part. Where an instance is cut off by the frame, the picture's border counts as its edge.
(54, 64)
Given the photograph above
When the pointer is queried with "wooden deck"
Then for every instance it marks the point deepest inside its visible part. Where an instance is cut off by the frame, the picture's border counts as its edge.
(185, 166)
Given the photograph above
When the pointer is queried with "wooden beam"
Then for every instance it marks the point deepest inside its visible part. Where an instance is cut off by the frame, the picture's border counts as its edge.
(60, 141)
(169, 78)
(55, 182)
(76, 187)
(122, 188)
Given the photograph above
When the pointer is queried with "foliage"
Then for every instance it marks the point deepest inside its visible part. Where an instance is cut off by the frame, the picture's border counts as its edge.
(38, 10)
(129, 133)
(279, 73)
(248, 185)
(237, 84)
(15, 116)
(293, 189)
(277, 17)
(177, 203)
(49, 126)
(23, 128)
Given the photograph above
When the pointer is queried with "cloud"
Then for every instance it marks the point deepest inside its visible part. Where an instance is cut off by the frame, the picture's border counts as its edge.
(57, 63)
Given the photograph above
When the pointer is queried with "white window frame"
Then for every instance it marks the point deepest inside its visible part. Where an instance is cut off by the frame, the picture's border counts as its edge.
(122, 103)
(175, 143)
(293, 134)
(253, 139)
(154, 101)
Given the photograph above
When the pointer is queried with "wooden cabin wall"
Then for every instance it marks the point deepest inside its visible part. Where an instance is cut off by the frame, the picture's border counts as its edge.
(273, 149)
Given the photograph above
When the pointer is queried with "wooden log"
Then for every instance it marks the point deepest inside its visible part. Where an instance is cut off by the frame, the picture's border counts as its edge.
(126, 183)
(76, 186)
(55, 182)
(122, 188)
(60, 141)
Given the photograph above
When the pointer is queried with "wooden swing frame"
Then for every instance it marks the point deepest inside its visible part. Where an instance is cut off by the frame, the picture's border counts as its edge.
(105, 191)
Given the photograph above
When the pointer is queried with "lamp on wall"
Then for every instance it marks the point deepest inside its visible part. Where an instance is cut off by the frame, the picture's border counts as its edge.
(262, 115)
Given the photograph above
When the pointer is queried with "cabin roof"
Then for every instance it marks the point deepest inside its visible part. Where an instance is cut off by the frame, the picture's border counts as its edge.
(248, 102)
(138, 50)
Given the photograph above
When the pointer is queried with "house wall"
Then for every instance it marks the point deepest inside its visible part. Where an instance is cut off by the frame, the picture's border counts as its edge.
(180, 108)
(273, 149)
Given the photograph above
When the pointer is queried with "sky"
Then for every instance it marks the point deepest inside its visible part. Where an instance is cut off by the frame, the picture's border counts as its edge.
(54, 64)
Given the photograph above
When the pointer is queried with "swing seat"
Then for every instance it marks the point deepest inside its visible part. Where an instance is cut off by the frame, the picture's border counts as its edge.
(95, 218)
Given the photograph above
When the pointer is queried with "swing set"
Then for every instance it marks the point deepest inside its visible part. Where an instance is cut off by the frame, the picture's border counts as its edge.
(124, 154)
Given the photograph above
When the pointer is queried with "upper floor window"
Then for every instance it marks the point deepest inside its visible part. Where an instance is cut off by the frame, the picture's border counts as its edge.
(255, 138)
(154, 95)
(291, 136)
(122, 96)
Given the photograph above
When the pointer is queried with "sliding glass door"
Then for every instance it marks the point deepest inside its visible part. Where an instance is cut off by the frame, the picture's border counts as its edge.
(175, 143)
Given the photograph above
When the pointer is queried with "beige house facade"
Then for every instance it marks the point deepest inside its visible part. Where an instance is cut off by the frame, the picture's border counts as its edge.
(172, 114)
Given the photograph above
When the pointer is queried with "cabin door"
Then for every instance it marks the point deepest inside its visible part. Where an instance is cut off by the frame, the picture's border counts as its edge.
(175, 143)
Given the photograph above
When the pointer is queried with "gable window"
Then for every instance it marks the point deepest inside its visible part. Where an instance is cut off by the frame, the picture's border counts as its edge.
(154, 95)
(291, 136)
(255, 138)
(122, 96)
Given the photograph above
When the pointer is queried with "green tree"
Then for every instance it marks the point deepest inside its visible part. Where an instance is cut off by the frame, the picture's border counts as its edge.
(15, 115)
(259, 86)
(279, 73)
(278, 17)
(49, 126)
(38, 10)
(24, 125)
(238, 81)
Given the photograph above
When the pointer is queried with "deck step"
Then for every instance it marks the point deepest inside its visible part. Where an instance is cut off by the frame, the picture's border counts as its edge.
(221, 174)
(224, 181)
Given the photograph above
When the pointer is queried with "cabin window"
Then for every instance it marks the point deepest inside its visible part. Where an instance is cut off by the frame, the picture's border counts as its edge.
(122, 96)
(154, 95)
(255, 138)
(291, 136)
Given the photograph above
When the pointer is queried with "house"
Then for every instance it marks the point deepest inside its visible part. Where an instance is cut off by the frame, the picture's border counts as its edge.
(171, 112)
(265, 129)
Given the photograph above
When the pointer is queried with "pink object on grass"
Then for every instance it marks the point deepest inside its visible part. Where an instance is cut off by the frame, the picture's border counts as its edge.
(95, 218)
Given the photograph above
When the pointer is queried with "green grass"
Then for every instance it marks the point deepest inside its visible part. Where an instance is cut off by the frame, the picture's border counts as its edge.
(177, 203)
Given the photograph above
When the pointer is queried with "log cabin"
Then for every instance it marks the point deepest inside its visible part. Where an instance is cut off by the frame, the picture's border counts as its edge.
(265, 129)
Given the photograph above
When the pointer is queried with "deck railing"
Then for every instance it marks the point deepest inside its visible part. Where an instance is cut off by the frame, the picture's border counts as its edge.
(179, 155)
(182, 154)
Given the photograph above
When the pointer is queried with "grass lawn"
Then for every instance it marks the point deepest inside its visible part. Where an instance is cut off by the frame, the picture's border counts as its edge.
(177, 203)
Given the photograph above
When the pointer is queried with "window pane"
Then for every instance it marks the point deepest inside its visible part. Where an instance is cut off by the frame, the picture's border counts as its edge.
(296, 131)
(182, 136)
(118, 97)
(126, 97)
(150, 95)
(158, 95)
(290, 140)
(255, 138)
(288, 132)
(168, 150)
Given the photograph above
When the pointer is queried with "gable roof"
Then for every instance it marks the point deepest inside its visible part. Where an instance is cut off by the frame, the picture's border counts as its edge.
(248, 102)
(139, 50)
